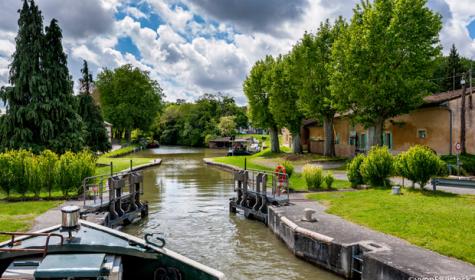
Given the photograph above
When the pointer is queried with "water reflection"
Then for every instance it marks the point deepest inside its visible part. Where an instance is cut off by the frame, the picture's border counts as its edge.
(188, 203)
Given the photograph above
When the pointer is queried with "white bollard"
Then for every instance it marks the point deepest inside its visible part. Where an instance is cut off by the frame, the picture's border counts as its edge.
(396, 190)
(309, 215)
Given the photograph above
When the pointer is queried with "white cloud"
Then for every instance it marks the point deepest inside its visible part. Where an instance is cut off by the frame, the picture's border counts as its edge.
(83, 52)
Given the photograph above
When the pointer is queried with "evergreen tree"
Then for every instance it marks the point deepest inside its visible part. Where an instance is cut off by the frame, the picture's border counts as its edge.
(453, 71)
(61, 119)
(96, 134)
(40, 105)
(20, 126)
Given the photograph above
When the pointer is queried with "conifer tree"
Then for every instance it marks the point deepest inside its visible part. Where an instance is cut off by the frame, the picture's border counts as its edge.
(19, 127)
(41, 109)
(96, 134)
(453, 71)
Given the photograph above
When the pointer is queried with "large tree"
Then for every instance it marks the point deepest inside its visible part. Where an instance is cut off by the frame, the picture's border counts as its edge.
(130, 99)
(96, 137)
(383, 61)
(312, 56)
(454, 71)
(40, 104)
(284, 98)
(256, 89)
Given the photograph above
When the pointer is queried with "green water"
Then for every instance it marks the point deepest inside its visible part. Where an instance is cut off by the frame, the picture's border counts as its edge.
(188, 203)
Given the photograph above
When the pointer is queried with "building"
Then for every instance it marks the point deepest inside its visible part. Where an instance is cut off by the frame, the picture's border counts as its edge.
(109, 131)
(435, 124)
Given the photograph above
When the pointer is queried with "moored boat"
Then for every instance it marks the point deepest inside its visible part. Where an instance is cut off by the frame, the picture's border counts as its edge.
(78, 249)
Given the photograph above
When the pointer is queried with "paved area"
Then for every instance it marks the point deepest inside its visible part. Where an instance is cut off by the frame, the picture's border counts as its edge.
(52, 217)
(399, 253)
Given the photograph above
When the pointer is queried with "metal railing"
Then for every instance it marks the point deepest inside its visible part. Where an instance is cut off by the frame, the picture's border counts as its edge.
(43, 250)
(262, 181)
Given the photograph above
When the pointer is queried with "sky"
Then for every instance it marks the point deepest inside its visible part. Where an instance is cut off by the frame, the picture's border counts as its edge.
(192, 47)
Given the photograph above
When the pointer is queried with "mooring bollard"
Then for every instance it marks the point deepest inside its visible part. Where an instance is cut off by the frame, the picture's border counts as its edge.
(396, 190)
(309, 215)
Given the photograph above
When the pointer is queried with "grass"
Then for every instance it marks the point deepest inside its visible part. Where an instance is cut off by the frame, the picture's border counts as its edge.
(19, 216)
(119, 163)
(297, 182)
(439, 221)
(122, 151)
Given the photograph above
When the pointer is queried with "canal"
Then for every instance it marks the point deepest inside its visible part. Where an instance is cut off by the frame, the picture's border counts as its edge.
(188, 203)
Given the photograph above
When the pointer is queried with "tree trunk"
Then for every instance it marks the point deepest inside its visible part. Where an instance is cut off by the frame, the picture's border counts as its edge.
(378, 132)
(462, 121)
(296, 145)
(329, 148)
(274, 140)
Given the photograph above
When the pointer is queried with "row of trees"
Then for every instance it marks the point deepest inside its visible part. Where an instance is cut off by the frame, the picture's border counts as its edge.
(193, 124)
(377, 66)
(42, 112)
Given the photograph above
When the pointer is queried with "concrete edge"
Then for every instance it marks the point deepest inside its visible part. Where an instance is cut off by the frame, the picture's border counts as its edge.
(224, 166)
(305, 232)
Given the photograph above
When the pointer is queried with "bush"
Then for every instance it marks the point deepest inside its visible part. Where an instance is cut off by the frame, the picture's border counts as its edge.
(20, 179)
(377, 167)
(329, 179)
(6, 172)
(72, 169)
(419, 164)
(353, 170)
(467, 161)
(47, 163)
(33, 174)
(313, 176)
(289, 168)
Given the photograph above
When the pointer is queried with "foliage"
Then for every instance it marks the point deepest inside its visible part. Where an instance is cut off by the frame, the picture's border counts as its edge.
(192, 124)
(256, 89)
(312, 56)
(283, 98)
(313, 175)
(382, 64)
(412, 216)
(25, 172)
(41, 110)
(227, 126)
(130, 99)
(289, 168)
(377, 166)
(467, 162)
(329, 179)
(96, 137)
(419, 164)
(353, 170)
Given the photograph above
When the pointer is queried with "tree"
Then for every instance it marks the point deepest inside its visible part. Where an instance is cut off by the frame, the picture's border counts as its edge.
(41, 110)
(96, 137)
(284, 98)
(256, 89)
(60, 108)
(453, 71)
(312, 64)
(130, 99)
(382, 63)
(227, 126)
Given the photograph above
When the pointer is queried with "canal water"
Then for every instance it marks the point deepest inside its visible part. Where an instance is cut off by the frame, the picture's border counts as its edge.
(188, 203)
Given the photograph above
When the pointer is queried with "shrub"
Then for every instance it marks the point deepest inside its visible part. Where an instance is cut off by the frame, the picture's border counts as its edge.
(377, 167)
(72, 169)
(20, 180)
(353, 170)
(419, 164)
(33, 174)
(6, 172)
(313, 176)
(47, 161)
(329, 179)
(289, 168)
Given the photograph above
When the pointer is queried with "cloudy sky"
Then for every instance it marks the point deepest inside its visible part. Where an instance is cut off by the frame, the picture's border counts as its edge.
(197, 46)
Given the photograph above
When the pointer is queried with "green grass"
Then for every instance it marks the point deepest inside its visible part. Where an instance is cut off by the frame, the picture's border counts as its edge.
(118, 164)
(19, 216)
(438, 221)
(121, 151)
(297, 182)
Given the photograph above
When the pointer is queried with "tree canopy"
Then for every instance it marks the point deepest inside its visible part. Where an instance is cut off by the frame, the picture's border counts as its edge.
(96, 137)
(256, 89)
(130, 99)
(382, 62)
(41, 110)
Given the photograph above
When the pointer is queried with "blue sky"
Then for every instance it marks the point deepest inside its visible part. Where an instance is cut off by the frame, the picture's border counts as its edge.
(193, 47)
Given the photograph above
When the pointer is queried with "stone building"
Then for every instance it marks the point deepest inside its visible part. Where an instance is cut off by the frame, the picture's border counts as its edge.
(435, 124)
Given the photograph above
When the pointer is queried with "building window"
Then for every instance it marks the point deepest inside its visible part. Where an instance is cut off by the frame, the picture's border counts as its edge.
(388, 139)
(362, 141)
(422, 133)
(337, 139)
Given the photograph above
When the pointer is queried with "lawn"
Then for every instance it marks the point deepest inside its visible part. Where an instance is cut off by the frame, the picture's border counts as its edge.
(19, 216)
(297, 182)
(118, 164)
(439, 221)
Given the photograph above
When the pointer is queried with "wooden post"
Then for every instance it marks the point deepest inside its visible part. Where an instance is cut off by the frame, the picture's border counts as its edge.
(112, 168)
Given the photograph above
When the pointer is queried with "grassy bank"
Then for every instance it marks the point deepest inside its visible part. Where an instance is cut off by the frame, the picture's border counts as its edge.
(438, 221)
(19, 216)
(266, 160)
(119, 164)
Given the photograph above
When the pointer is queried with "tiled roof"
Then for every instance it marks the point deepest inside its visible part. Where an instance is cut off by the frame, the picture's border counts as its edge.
(444, 96)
